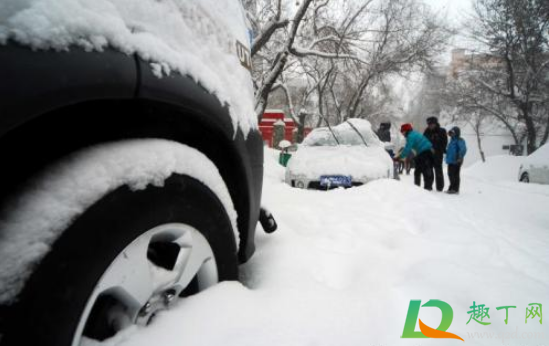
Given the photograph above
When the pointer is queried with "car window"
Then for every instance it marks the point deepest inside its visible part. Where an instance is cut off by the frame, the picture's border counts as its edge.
(345, 133)
(320, 137)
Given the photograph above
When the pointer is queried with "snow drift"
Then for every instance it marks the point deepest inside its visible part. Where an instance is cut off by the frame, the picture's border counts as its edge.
(503, 167)
(344, 265)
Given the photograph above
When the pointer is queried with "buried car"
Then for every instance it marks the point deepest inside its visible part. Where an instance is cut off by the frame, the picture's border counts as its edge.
(346, 155)
(535, 168)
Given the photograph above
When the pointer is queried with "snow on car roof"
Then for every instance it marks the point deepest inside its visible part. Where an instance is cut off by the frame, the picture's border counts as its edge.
(540, 156)
(346, 134)
(193, 37)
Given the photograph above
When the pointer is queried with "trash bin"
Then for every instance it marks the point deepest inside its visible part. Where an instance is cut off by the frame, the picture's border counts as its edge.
(283, 158)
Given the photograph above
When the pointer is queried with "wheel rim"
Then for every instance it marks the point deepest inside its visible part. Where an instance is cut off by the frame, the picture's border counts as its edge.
(146, 277)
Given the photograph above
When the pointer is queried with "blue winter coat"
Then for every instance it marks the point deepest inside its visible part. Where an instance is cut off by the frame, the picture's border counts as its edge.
(456, 150)
(417, 142)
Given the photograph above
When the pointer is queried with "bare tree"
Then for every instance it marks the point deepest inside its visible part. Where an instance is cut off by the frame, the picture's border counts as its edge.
(473, 104)
(338, 55)
(281, 57)
(515, 68)
(381, 39)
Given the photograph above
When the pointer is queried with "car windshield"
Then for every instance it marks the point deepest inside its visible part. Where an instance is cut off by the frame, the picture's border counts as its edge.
(321, 137)
(355, 132)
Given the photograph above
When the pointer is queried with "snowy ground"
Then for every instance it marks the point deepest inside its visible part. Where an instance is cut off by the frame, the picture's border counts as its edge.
(344, 265)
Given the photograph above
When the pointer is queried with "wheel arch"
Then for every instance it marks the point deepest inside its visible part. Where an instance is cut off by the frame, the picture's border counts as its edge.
(56, 133)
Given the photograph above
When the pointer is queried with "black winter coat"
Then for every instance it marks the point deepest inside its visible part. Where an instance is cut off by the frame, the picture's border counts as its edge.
(438, 138)
(384, 134)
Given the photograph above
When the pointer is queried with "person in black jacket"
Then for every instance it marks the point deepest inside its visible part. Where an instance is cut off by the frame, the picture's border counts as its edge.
(437, 136)
(384, 132)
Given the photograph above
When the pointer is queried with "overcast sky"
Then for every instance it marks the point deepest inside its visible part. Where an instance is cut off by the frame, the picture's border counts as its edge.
(455, 11)
(453, 8)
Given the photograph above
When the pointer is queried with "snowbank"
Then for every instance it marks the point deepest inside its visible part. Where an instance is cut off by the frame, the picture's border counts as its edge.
(37, 217)
(500, 168)
(273, 170)
(344, 265)
(361, 162)
(193, 37)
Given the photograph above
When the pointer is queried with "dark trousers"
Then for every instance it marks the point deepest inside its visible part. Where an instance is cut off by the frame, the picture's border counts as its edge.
(424, 167)
(453, 174)
(439, 174)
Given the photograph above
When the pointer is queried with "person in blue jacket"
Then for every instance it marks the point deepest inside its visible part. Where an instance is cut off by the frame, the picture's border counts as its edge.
(455, 153)
(423, 159)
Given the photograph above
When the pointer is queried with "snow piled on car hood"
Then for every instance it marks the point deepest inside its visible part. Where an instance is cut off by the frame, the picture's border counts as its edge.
(32, 222)
(192, 37)
(357, 161)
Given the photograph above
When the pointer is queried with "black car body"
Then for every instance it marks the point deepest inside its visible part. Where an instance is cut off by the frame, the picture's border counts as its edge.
(54, 103)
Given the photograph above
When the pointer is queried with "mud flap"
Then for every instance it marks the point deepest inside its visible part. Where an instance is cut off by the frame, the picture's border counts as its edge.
(267, 221)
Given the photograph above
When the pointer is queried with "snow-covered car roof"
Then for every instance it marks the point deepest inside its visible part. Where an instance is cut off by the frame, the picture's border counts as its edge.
(199, 38)
(351, 132)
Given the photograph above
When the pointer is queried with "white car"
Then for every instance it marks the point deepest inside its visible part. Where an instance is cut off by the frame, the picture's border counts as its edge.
(346, 155)
(535, 168)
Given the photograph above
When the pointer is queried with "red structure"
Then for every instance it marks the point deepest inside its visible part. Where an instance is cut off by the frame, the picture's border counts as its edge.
(266, 126)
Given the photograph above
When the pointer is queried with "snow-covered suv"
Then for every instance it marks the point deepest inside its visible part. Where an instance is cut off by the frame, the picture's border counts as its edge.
(129, 147)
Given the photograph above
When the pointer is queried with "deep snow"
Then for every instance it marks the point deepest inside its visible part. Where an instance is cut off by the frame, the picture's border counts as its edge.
(344, 265)
(497, 168)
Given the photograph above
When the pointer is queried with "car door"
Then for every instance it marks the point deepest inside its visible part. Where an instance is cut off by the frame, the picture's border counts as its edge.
(534, 173)
(543, 174)
(539, 171)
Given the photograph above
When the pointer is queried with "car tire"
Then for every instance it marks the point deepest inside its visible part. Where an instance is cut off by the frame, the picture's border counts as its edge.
(525, 178)
(52, 305)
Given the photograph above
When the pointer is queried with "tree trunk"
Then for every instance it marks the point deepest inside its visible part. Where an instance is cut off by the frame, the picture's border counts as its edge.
(300, 136)
(279, 133)
(545, 133)
(262, 96)
(531, 131)
(479, 142)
